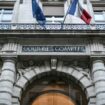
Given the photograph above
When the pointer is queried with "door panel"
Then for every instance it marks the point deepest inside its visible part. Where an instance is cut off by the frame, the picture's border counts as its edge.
(53, 99)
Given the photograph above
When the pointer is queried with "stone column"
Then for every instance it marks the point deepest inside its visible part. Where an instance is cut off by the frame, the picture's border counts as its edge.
(7, 80)
(99, 80)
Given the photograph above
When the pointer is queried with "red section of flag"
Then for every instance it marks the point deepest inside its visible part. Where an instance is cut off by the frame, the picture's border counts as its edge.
(82, 13)
(86, 17)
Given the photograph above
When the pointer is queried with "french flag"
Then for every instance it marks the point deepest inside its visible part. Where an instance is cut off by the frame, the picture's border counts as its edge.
(83, 14)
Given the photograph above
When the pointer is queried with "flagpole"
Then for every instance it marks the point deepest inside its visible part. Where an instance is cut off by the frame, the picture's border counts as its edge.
(65, 17)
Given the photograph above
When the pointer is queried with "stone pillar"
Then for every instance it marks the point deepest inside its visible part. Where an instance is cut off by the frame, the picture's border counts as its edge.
(7, 80)
(16, 12)
(99, 80)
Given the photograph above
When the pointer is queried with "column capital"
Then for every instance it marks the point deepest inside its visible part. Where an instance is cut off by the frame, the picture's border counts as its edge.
(9, 58)
(97, 59)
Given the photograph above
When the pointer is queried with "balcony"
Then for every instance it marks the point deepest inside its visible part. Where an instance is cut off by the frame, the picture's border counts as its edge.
(51, 30)
(19, 26)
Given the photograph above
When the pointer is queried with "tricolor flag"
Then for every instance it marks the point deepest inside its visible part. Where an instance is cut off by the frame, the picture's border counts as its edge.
(37, 12)
(83, 14)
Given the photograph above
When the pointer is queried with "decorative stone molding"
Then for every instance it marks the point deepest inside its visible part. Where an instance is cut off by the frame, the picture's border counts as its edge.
(32, 72)
(10, 47)
(53, 64)
(97, 46)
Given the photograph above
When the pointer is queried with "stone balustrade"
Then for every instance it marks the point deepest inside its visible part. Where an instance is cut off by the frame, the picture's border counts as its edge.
(27, 26)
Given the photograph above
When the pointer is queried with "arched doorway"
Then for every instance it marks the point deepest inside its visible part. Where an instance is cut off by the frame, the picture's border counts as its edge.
(54, 89)
(53, 99)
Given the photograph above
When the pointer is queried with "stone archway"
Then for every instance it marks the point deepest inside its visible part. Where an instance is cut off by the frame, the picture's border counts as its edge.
(82, 79)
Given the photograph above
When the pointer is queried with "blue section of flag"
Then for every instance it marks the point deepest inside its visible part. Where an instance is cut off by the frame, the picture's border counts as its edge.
(72, 8)
(37, 12)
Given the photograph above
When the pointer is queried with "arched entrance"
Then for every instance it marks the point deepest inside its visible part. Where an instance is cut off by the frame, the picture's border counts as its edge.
(53, 99)
(72, 83)
(54, 89)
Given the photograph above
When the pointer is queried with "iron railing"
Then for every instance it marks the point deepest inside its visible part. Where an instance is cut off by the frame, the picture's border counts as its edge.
(21, 26)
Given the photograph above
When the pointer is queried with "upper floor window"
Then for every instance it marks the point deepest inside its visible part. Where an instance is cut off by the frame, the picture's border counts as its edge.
(55, 20)
(53, 10)
(99, 17)
(6, 15)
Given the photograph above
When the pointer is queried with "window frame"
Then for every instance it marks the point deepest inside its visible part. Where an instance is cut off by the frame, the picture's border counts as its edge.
(100, 20)
(54, 18)
(4, 13)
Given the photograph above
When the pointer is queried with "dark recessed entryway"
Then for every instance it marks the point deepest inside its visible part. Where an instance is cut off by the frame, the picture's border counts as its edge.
(54, 89)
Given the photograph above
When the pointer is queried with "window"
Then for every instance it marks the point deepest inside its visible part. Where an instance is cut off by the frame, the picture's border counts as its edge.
(99, 17)
(6, 15)
(53, 10)
(55, 20)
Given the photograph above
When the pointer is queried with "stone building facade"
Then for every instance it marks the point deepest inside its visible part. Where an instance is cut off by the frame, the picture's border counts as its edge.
(66, 63)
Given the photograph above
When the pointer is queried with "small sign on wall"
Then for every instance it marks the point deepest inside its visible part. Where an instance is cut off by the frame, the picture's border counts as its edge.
(53, 48)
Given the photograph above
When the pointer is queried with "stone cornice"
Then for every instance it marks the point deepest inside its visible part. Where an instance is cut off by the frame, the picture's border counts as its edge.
(51, 33)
